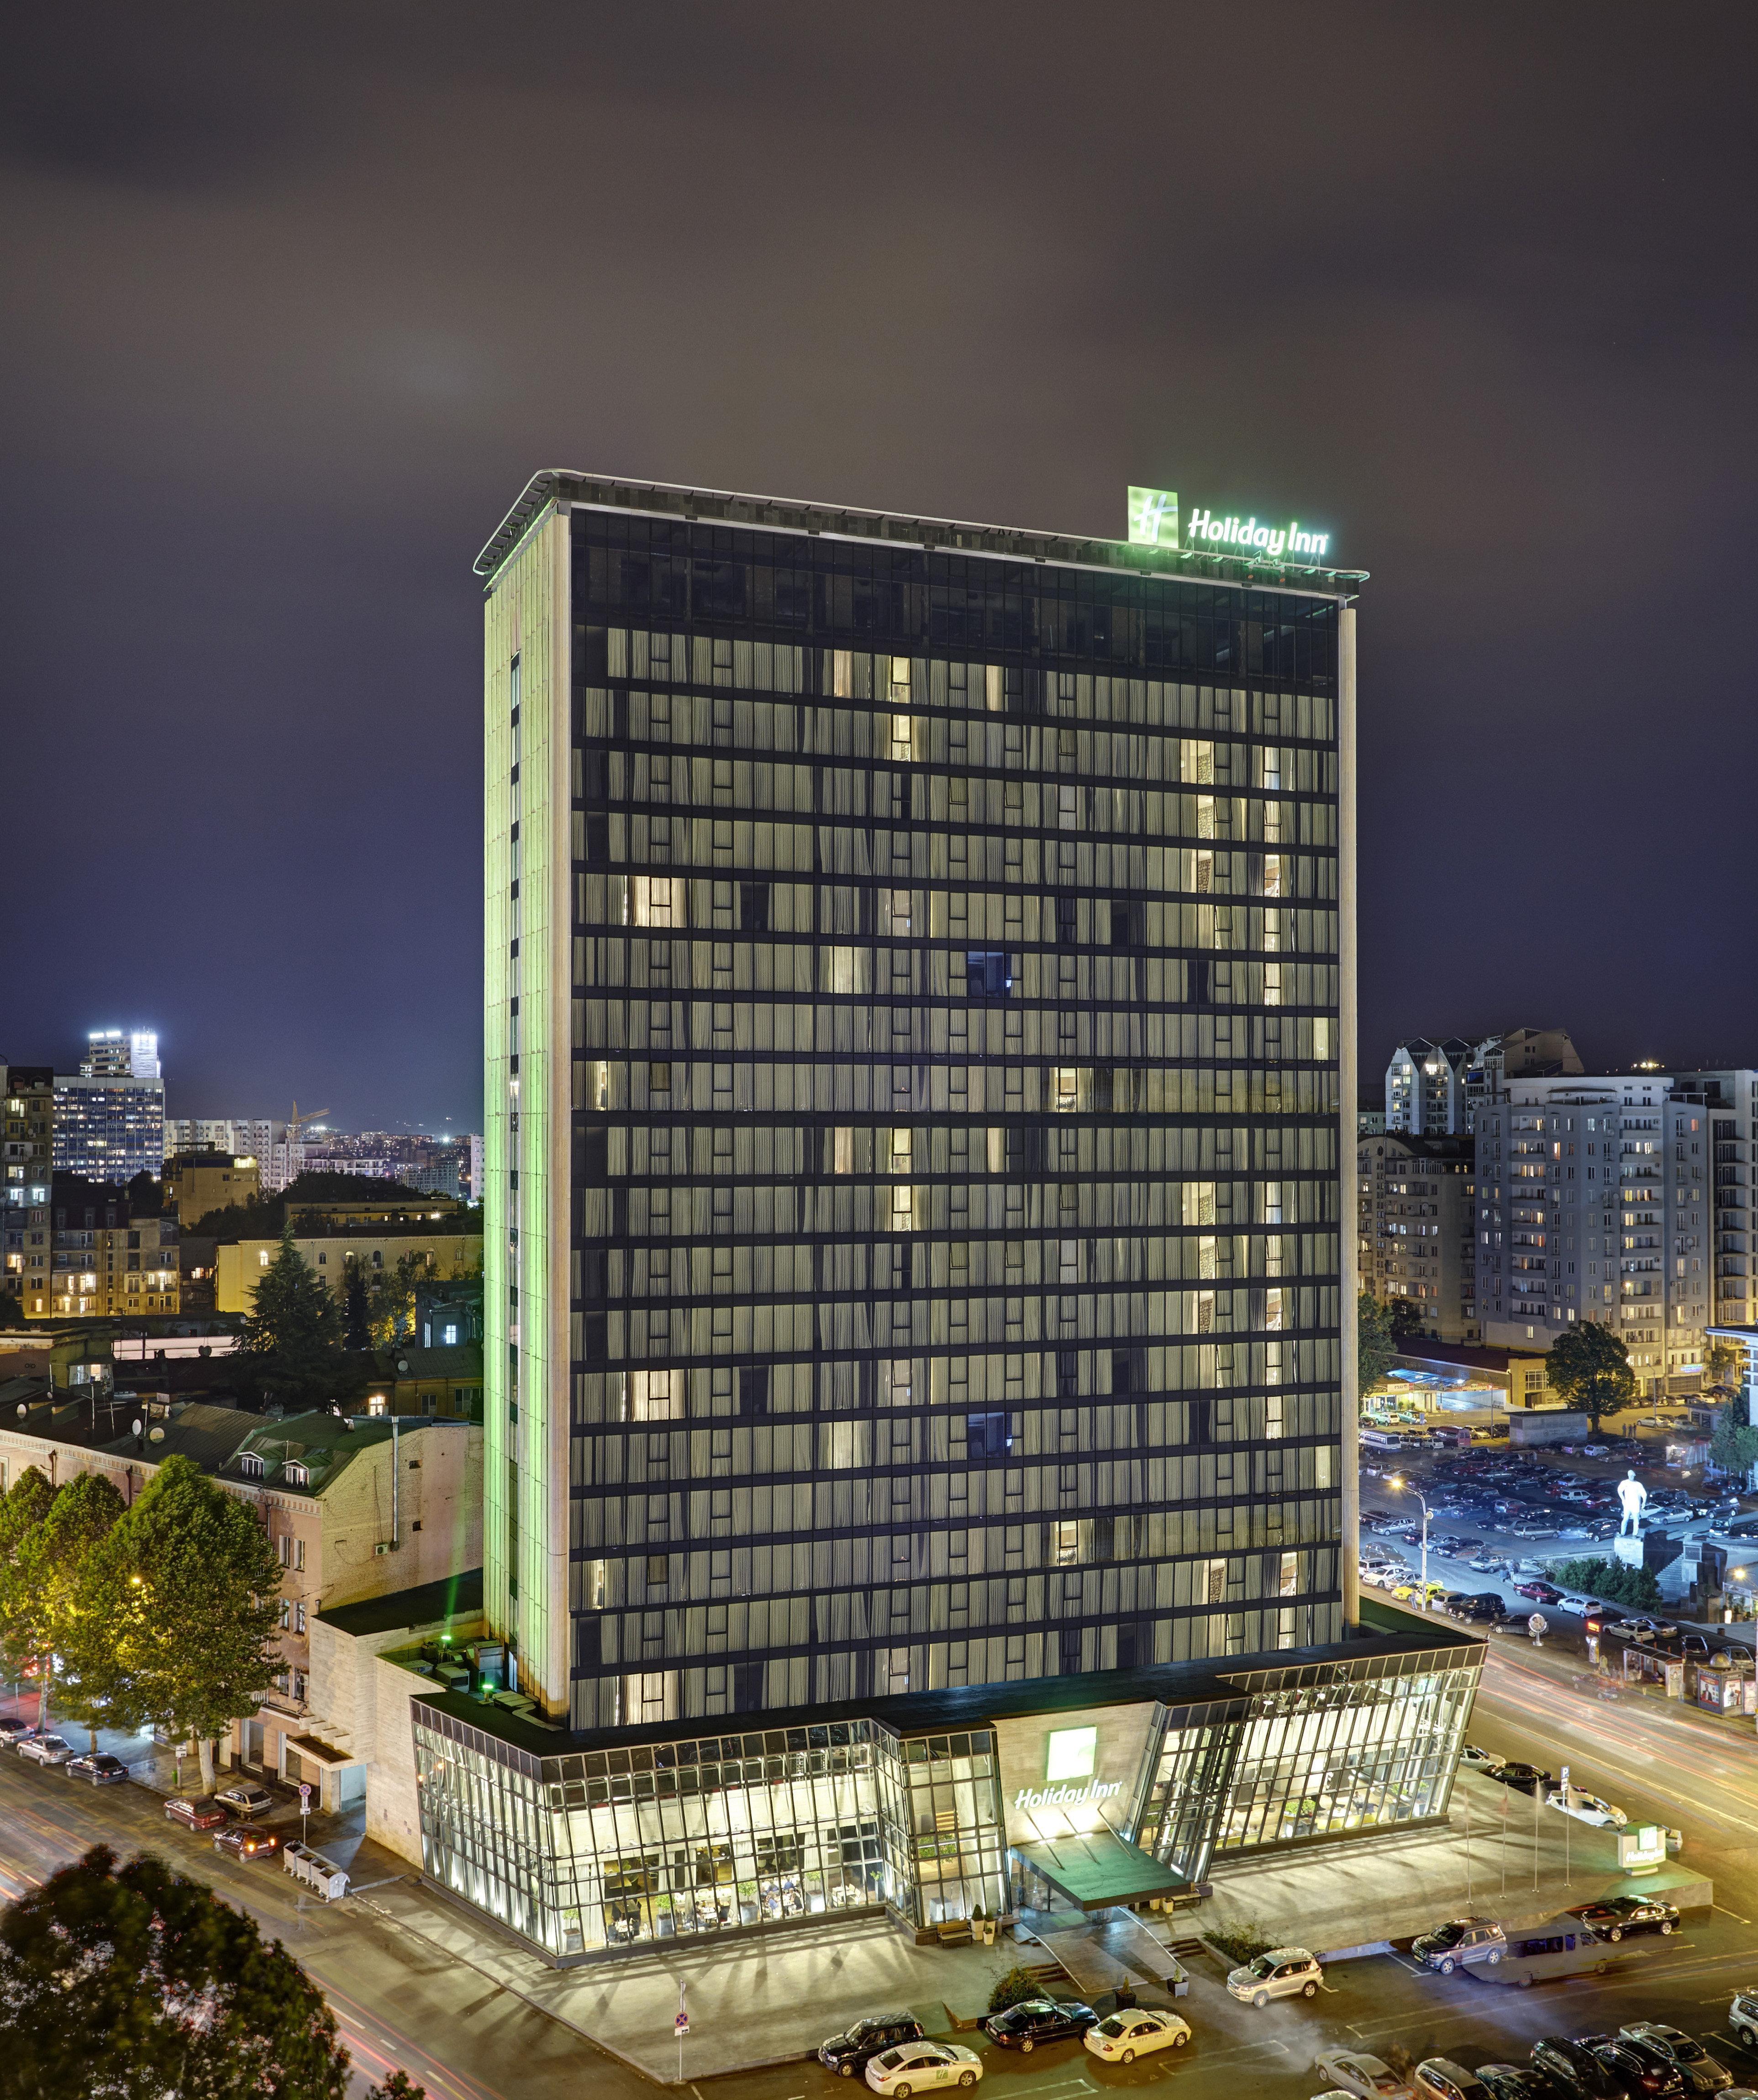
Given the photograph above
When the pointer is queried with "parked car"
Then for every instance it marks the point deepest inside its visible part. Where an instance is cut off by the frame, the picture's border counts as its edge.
(246, 1798)
(1523, 1777)
(1575, 2072)
(201, 1812)
(852, 2051)
(1570, 1601)
(1439, 2078)
(1023, 2027)
(1540, 1593)
(1479, 1758)
(46, 1750)
(1283, 1972)
(1350, 2070)
(918, 2066)
(1133, 2032)
(1641, 2072)
(12, 1729)
(1618, 1914)
(1461, 1943)
(1703, 2074)
(247, 1841)
(98, 1767)
(1514, 2081)
(1586, 1808)
(1742, 2017)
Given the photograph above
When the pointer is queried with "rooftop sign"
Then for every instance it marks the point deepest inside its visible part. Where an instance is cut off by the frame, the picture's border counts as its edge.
(1154, 522)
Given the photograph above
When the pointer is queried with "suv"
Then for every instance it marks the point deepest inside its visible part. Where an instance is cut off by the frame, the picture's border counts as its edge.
(1024, 2026)
(848, 2053)
(1742, 2017)
(1460, 1943)
(1574, 2069)
(1283, 1972)
(246, 1798)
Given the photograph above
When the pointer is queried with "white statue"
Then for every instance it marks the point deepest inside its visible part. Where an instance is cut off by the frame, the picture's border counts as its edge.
(1634, 1497)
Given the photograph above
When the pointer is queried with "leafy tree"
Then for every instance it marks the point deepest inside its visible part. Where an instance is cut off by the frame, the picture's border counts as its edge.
(1589, 1368)
(356, 1305)
(1721, 1362)
(392, 1299)
(1406, 1317)
(39, 1606)
(1733, 1442)
(1378, 1352)
(294, 1329)
(1611, 1579)
(1015, 1988)
(25, 1503)
(182, 1595)
(131, 1982)
(11, 1308)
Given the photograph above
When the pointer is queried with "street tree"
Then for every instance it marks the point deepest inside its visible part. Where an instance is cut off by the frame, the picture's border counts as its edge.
(392, 1299)
(1378, 1351)
(1733, 1442)
(294, 1331)
(1589, 1368)
(1721, 1362)
(128, 1981)
(1405, 1315)
(39, 1586)
(184, 1590)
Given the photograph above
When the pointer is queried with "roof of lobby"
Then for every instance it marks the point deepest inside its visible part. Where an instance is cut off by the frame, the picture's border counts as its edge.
(1225, 1682)
(773, 513)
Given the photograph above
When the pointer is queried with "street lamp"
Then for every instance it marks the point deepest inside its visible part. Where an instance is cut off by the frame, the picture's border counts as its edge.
(1397, 1481)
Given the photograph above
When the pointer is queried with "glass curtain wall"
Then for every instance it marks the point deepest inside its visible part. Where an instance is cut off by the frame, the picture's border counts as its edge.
(592, 1852)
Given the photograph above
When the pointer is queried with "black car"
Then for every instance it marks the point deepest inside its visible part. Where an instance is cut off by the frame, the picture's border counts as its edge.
(1023, 2027)
(848, 2054)
(1483, 1611)
(1523, 1776)
(1618, 1914)
(1643, 2071)
(1576, 2073)
(1515, 2081)
(98, 1767)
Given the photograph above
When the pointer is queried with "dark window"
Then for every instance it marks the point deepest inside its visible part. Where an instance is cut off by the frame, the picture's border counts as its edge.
(1067, 920)
(595, 1155)
(754, 1389)
(597, 1339)
(1122, 1370)
(754, 907)
(1128, 922)
(747, 1688)
(1067, 1373)
(986, 1436)
(1135, 1644)
(989, 972)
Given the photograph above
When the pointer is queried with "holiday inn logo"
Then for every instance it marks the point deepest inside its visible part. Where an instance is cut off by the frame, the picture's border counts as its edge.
(1154, 522)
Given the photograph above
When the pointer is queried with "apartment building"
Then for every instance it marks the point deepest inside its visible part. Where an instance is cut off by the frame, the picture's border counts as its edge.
(1416, 1208)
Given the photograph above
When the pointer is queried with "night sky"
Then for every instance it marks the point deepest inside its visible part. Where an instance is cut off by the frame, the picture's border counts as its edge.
(296, 299)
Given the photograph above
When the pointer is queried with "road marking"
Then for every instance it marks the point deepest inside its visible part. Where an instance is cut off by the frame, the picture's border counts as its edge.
(1726, 1912)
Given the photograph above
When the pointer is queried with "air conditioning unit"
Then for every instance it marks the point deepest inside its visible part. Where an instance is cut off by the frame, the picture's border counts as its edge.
(382, 1547)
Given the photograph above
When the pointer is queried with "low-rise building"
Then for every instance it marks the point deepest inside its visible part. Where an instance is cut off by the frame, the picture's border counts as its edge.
(113, 1257)
(198, 1182)
(438, 1254)
(444, 1382)
(355, 1506)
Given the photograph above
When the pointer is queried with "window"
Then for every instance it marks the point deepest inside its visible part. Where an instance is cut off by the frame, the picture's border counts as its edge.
(989, 974)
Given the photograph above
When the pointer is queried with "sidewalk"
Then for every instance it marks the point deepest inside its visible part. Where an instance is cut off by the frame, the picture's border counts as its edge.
(1357, 1896)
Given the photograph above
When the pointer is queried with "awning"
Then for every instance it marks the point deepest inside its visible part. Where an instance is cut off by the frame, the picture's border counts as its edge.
(314, 1751)
(1098, 1868)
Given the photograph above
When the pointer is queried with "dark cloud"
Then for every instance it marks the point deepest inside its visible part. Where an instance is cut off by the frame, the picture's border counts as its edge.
(297, 298)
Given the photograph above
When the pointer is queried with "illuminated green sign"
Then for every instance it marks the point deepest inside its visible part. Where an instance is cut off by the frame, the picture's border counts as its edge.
(1153, 518)
(1073, 1753)
(1154, 522)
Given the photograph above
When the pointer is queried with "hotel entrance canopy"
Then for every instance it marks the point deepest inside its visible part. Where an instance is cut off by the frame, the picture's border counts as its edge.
(1096, 1869)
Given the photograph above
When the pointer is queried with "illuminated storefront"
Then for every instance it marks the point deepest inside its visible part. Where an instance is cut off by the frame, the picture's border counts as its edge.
(929, 1807)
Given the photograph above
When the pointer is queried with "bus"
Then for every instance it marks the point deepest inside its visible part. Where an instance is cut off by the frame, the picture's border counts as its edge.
(1560, 1946)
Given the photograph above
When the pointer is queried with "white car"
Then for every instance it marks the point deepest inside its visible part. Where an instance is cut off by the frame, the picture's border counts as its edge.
(918, 2066)
(1568, 1602)
(1284, 1972)
(1480, 1759)
(1365, 2077)
(1587, 1808)
(46, 1750)
(1126, 2036)
(246, 1798)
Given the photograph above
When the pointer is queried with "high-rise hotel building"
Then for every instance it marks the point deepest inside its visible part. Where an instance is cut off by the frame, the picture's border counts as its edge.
(920, 1234)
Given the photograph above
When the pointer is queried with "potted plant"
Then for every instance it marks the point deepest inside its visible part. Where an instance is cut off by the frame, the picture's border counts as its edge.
(985, 1923)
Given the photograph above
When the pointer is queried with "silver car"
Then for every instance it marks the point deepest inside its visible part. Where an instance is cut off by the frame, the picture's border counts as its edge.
(1284, 1972)
(46, 1750)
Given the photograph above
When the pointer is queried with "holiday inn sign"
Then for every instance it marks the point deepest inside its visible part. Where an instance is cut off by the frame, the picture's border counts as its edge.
(1154, 522)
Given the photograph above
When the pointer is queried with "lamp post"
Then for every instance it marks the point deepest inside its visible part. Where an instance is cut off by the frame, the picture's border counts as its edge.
(1404, 1486)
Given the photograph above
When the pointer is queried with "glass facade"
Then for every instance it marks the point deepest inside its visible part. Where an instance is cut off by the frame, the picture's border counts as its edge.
(1314, 1753)
(913, 1096)
(590, 1851)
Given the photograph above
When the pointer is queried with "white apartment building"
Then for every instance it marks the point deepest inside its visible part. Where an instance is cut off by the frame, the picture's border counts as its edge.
(1433, 1089)
(1624, 1199)
(251, 1138)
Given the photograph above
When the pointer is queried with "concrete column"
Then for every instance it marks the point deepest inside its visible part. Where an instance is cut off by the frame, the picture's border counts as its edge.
(1347, 1087)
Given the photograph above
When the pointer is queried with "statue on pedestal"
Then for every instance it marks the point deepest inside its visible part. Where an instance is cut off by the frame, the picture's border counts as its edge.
(1634, 1497)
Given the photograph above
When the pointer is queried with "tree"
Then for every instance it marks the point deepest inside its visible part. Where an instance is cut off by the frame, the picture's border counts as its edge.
(1614, 1581)
(1377, 1350)
(356, 1303)
(392, 1299)
(182, 1599)
(1733, 1442)
(1721, 1362)
(131, 1982)
(1405, 1315)
(39, 1584)
(294, 1330)
(11, 1308)
(23, 1508)
(1589, 1368)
